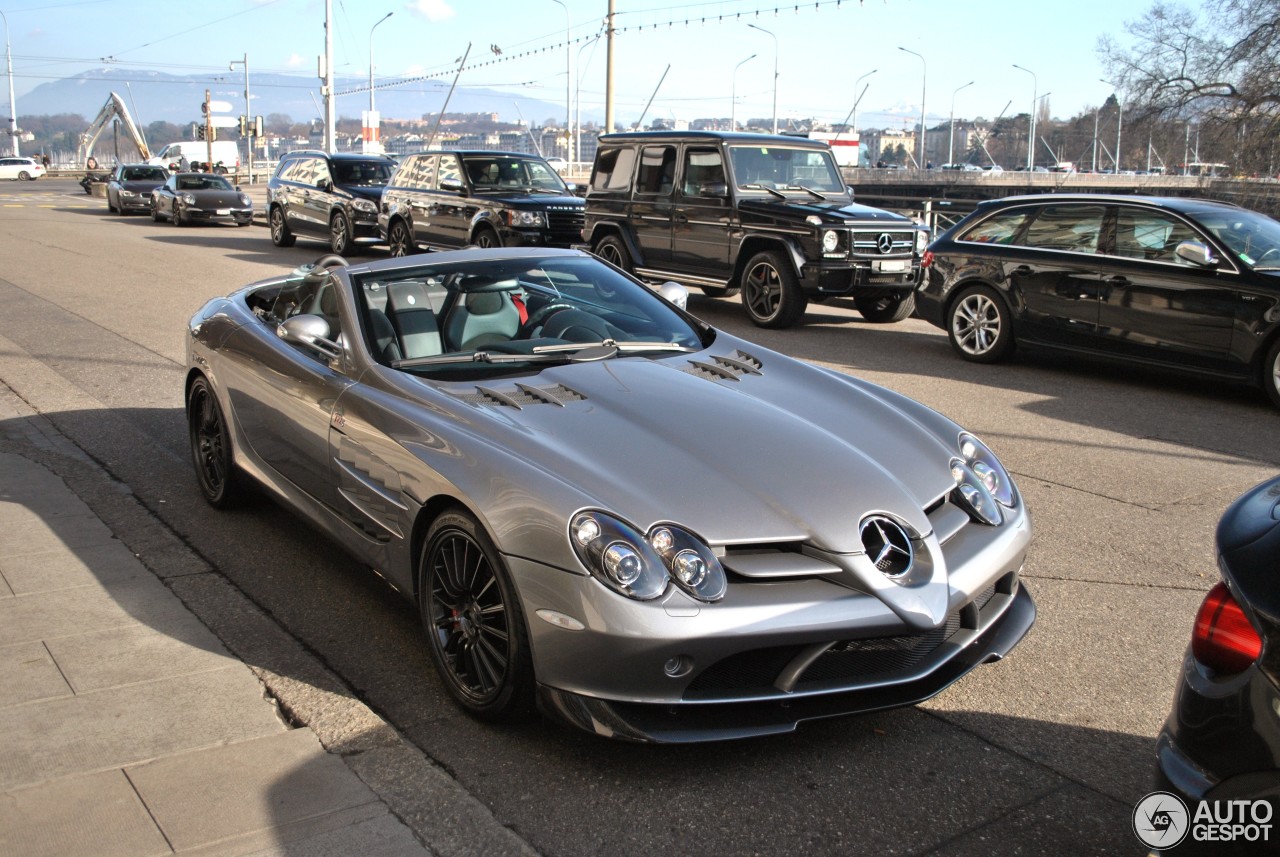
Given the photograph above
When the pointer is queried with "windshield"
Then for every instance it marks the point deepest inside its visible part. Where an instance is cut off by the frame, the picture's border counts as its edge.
(512, 173)
(145, 174)
(765, 168)
(1253, 238)
(202, 181)
(479, 318)
(363, 173)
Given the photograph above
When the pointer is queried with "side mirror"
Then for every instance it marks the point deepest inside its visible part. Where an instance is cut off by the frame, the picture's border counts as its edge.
(573, 188)
(324, 185)
(311, 331)
(675, 293)
(451, 184)
(1196, 253)
(719, 190)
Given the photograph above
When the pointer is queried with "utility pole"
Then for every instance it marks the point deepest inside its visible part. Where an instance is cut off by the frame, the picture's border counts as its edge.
(248, 116)
(330, 130)
(608, 75)
(13, 105)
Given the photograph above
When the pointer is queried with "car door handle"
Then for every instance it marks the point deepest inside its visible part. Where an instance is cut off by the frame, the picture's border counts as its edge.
(1117, 280)
(1020, 271)
(679, 218)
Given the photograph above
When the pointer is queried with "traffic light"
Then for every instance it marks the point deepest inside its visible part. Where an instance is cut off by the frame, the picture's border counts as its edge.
(257, 126)
(244, 126)
(199, 132)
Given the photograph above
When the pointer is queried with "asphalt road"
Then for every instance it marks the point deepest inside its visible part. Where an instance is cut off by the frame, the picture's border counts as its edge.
(1125, 473)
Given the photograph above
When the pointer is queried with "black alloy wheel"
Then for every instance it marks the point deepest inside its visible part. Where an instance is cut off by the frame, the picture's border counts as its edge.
(281, 236)
(474, 625)
(1271, 373)
(886, 308)
(770, 293)
(339, 233)
(176, 215)
(155, 212)
(399, 242)
(486, 238)
(211, 448)
(612, 249)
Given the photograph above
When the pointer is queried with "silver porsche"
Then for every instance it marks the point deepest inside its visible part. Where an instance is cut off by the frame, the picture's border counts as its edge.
(604, 508)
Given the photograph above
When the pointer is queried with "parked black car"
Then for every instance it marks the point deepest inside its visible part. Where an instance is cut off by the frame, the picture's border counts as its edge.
(1222, 739)
(189, 198)
(444, 200)
(1186, 283)
(332, 197)
(130, 185)
(768, 215)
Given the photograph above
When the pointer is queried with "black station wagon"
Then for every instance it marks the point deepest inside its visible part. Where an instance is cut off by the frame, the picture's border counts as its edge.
(1186, 283)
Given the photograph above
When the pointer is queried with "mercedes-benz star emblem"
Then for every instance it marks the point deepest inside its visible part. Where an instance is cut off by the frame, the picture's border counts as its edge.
(884, 243)
(887, 545)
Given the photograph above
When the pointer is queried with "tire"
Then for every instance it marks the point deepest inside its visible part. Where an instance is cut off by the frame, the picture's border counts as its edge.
(886, 308)
(24, 176)
(399, 241)
(486, 239)
(111, 209)
(613, 250)
(980, 326)
(155, 213)
(1271, 373)
(770, 293)
(281, 236)
(220, 483)
(339, 234)
(719, 291)
(178, 219)
(475, 628)
(120, 210)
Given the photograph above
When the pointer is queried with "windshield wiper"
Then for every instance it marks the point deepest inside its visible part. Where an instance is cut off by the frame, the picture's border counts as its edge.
(779, 194)
(808, 190)
(623, 347)
(581, 353)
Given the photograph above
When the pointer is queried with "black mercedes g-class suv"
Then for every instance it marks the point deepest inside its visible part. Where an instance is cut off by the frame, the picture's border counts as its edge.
(450, 199)
(333, 197)
(767, 215)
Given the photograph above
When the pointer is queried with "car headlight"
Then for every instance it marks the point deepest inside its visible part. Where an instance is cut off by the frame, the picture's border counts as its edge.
(188, 198)
(526, 219)
(830, 241)
(640, 567)
(127, 193)
(245, 201)
(983, 485)
(364, 205)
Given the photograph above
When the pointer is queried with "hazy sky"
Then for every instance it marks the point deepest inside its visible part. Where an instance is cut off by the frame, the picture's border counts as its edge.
(823, 47)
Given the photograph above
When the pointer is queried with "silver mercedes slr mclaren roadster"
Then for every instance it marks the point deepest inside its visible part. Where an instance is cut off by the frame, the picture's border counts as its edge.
(604, 508)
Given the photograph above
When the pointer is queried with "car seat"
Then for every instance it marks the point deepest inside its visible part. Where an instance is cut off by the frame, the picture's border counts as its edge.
(481, 318)
(413, 318)
(386, 348)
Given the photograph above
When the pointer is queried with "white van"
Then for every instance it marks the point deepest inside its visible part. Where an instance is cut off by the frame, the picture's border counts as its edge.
(197, 151)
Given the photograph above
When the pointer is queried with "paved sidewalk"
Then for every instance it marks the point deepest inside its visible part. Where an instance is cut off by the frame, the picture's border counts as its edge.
(129, 729)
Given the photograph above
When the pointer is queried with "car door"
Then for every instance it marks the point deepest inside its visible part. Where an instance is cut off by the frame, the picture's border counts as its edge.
(653, 204)
(420, 199)
(451, 210)
(702, 215)
(313, 198)
(1052, 274)
(1154, 306)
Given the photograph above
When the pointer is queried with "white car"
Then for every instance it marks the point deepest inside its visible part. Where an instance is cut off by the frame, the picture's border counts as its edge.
(20, 169)
(557, 164)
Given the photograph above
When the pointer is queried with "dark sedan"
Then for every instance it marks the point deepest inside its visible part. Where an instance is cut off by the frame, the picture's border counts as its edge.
(1183, 283)
(1218, 768)
(130, 187)
(199, 198)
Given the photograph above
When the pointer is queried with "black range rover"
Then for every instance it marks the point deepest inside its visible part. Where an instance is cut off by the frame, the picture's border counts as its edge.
(770, 216)
(332, 197)
(442, 200)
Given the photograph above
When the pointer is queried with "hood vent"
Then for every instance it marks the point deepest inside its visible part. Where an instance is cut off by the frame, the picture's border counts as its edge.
(726, 368)
(522, 395)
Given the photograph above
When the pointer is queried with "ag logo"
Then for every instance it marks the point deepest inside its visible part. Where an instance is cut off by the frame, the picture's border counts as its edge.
(1161, 820)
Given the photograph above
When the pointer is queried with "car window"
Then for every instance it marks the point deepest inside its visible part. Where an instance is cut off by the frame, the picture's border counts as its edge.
(361, 173)
(657, 170)
(1254, 238)
(1074, 228)
(142, 174)
(782, 168)
(613, 169)
(527, 307)
(1000, 228)
(1151, 235)
(701, 167)
(450, 170)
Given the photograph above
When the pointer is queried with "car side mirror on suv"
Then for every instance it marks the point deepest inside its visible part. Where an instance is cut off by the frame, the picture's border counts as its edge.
(451, 184)
(325, 185)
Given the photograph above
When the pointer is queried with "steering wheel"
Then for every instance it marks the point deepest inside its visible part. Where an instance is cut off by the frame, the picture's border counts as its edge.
(1273, 251)
(537, 318)
(576, 326)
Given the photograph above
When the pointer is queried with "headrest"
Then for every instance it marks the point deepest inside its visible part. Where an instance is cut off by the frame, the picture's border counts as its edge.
(408, 294)
(484, 303)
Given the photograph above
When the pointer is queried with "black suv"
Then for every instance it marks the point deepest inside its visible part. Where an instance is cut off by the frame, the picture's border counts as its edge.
(766, 214)
(333, 197)
(444, 200)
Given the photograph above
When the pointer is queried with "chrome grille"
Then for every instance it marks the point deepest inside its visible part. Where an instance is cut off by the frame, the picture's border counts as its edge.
(866, 243)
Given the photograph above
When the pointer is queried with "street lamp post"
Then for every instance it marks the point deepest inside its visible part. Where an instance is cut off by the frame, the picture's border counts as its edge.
(577, 101)
(248, 117)
(371, 135)
(13, 106)
(568, 85)
(1031, 129)
(733, 97)
(951, 131)
(851, 120)
(924, 78)
(371, 29)
(775, 74)
(1119, 120)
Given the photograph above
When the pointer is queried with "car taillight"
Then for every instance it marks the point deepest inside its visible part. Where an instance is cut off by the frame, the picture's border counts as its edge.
(1223, 639)
(927, 259)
